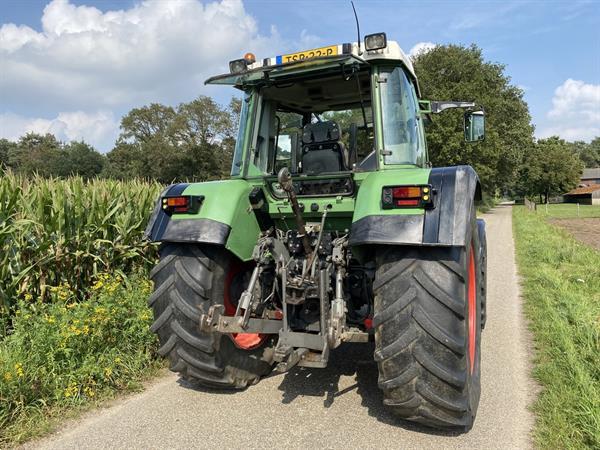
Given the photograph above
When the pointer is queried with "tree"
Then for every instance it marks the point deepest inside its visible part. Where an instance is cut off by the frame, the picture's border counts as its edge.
(79, 158)
(36, 153)
(126, 161)
(194, 141)
(455, 72)
(7, 148)
(142, 124)
(550, 168)
(147, 145)
(588, 153)
(201, 127)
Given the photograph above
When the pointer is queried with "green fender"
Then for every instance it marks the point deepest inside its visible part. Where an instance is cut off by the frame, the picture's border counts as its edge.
(224, 204)
(446, 223)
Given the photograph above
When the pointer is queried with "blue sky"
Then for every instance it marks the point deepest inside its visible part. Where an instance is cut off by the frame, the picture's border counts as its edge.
(75, 67)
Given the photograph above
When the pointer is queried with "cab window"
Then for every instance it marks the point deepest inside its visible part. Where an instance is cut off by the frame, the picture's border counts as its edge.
(401, 130)
(315, 126)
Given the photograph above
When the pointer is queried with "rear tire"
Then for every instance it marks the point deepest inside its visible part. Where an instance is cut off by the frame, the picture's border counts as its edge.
(187, 281)
(427, 331)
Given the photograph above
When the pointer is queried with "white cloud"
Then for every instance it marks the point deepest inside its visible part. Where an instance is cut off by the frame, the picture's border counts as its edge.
(575, 113)
(98, 129)
(84, 59)
(421, 47)
(576, 99)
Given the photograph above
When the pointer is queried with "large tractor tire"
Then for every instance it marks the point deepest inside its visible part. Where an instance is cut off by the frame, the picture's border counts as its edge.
(427, 331)
(187, 281)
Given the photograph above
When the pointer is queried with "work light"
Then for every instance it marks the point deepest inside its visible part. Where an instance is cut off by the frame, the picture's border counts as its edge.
(238, 65)
(375, 41)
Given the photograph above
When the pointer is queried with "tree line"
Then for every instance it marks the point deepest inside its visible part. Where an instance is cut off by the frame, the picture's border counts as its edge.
(195, 140)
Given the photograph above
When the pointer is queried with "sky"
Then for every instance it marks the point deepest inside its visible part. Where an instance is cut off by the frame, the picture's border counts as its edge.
(75, 67)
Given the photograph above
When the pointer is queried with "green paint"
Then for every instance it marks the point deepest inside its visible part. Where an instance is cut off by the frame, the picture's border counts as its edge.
(368, 201)
(227, 202)
(244, 230)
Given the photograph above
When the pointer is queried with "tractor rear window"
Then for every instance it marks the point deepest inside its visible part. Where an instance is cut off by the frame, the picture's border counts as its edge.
(315, 126)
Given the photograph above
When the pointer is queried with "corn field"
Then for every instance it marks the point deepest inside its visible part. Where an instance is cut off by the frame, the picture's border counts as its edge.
(63, 233)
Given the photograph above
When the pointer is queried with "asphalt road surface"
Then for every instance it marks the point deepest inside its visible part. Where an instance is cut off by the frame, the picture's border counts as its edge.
(337, 407)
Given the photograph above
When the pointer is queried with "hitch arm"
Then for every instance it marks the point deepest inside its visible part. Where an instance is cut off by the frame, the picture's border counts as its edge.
(216, 321)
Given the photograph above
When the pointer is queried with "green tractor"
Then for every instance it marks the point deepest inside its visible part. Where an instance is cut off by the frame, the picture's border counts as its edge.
(333, 228)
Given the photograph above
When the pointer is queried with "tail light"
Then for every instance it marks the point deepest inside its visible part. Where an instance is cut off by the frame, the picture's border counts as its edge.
(183, 204)
(406, 197)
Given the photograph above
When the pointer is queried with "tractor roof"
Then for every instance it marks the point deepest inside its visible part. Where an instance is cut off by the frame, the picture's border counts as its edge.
(296, 63)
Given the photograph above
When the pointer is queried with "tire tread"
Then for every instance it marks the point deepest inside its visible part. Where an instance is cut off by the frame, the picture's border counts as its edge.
(422, 360)
(183, 282)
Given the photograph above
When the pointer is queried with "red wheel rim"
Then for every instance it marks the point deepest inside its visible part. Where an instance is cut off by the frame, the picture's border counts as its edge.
(472, 314)
(245, 341)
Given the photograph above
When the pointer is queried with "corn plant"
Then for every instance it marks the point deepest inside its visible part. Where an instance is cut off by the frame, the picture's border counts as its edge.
(64, 232)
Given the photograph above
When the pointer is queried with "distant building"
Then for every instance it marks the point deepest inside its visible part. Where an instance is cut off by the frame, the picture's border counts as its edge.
(586, 195)
(590, 177)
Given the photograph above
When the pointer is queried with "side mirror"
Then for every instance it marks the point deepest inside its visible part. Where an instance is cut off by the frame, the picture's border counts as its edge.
(474, 126)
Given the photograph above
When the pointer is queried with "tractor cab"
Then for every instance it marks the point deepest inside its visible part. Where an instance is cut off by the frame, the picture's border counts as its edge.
(341, 109)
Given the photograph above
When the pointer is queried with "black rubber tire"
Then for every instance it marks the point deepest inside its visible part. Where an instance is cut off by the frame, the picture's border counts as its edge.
(187, 281)
(421, 333)
(482, 269)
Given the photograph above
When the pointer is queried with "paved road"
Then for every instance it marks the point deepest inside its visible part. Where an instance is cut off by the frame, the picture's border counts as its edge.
(337, 407)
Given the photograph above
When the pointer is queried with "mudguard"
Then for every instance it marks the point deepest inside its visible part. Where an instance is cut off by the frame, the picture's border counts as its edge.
(224, 204)
(445, 224)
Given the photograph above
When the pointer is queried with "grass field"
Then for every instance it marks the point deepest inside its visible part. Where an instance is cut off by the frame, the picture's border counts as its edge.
(561, 287)
(567, 211)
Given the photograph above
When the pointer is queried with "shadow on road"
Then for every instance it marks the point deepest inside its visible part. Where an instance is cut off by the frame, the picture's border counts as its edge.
(348, 360)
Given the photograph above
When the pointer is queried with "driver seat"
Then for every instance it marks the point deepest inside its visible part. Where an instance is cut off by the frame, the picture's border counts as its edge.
(322, 150)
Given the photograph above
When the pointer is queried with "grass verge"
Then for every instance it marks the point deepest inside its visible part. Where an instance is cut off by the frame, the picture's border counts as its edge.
(561, 287)
(64, 357)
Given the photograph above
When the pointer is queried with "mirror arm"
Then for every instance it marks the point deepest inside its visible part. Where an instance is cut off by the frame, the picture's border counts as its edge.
(440, 106)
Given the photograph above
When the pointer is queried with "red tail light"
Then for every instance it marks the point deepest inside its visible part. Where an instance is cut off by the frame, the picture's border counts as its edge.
(185, 204)
(406, 197)
(406, 192)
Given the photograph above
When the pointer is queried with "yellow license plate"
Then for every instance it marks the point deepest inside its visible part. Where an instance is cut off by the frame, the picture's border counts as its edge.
(308, 54)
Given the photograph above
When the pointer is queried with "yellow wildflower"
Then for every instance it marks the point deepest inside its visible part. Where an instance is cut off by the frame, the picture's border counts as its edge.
(28, 297)
(8, 376)
(49, 319)
(19, 370)
(108, 372)
(89, 391)
(71, 390)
